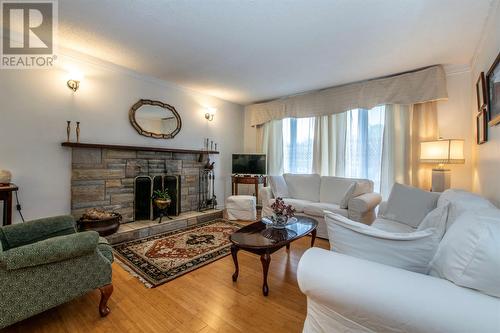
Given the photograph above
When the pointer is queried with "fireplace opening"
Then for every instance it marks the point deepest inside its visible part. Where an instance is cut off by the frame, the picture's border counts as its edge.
(144, 186)
(142, 198)
(172, 183)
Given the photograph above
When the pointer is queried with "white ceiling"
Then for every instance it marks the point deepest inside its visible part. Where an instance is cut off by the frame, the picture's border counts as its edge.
(246, 51)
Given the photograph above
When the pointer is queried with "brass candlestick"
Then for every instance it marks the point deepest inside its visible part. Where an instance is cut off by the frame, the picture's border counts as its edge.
(68, 130)
(78, 132)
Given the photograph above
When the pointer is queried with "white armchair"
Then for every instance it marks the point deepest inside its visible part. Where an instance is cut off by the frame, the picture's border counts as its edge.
(372, 279)
(346, 294)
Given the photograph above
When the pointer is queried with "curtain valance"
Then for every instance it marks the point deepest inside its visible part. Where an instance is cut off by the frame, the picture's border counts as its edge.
(420, 86)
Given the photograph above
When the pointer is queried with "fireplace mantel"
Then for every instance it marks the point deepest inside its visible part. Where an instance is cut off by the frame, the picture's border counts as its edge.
(137, 148)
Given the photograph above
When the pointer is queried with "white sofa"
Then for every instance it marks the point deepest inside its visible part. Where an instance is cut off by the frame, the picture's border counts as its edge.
(311, 195)
(459, 293)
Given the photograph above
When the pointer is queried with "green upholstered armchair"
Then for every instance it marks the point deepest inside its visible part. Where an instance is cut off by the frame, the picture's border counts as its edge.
(45, 262)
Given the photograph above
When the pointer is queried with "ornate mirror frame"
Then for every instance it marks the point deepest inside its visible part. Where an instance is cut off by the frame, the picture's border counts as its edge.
(141, 131)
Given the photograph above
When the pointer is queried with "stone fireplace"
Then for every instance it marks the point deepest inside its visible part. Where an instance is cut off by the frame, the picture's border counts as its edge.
(121, 180)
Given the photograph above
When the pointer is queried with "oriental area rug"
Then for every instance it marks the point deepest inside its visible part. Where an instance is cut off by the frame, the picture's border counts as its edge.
(160, 258)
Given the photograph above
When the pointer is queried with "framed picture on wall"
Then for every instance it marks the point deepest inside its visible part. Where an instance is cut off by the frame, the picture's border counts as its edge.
(493, 86)
(481, 92)
(482, 126)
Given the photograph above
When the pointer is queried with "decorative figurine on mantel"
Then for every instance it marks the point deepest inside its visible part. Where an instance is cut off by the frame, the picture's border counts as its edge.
(68, 130)
(78, 132)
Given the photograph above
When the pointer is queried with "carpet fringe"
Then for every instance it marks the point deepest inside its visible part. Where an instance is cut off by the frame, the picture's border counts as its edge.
(133, 273)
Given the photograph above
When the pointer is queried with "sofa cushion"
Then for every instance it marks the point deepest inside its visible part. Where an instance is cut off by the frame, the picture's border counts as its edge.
(409, 205)
(278, 186)
(461, 201)
(411, 251)
(391, 226)
(336, 190)
(301, 186)
(469, 252)
(318, 208)
(298, 204)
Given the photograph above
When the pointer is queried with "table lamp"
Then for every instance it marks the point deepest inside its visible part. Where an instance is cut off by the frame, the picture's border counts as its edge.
(5, 177)
(441, 152)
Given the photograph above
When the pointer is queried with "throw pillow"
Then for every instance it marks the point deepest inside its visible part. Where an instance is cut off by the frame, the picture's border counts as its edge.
(347, 196)
(411, 251)
(409, 205)
(469, 252)
(279, 187)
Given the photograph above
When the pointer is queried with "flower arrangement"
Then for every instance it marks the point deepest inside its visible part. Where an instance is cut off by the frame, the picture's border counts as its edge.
(280, 209)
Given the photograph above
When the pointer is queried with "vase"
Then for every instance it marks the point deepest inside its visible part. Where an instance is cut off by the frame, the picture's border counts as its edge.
(162, 203)
(279, 221)
(68, 130)
(78, 132)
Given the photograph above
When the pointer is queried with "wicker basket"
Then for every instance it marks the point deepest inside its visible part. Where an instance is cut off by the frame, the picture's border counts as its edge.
(104, 227)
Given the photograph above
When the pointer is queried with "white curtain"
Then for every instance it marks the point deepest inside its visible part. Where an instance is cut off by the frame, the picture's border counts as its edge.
(395, 148)
(406, 126)
(272, 146)
(330, 144)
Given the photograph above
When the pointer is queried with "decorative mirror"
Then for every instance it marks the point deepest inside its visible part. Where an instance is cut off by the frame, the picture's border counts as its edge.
(155, 119)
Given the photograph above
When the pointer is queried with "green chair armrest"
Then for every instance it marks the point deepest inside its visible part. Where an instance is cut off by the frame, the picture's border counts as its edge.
(16, 235)
(50, 250)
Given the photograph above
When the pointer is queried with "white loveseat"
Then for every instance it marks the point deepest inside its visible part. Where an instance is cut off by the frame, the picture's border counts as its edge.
(311, 195)
(459, 293)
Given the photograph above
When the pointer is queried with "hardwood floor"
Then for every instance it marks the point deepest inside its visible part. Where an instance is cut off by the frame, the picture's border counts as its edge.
(205, 300)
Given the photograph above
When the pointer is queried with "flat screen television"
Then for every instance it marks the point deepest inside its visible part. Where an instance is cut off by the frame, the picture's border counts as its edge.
(249, 164)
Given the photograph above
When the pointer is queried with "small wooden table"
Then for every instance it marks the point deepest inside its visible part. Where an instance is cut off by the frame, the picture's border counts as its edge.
(260, 239)
(6, 197)
(256, 180)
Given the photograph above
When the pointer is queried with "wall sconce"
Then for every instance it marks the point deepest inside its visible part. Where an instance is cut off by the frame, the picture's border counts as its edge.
(74, 80)
(210, 113)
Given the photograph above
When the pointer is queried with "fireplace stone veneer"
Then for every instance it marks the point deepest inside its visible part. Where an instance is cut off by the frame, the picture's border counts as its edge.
(104, 178)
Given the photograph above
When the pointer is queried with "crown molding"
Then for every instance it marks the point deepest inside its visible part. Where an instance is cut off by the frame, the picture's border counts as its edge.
(490, 20)
(455, 69)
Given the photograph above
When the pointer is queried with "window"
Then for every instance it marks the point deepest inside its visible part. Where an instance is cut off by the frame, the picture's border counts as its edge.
(364, 141)
(298, 138)
(360, 154)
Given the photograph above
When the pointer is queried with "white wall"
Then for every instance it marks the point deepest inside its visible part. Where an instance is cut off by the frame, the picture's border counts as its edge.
(454, 123)
(486, 173)
(37, 103)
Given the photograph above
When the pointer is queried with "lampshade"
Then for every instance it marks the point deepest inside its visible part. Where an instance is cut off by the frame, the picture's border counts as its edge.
(443, 151)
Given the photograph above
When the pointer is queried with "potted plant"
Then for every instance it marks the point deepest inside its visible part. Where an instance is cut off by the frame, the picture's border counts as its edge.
(161, 198)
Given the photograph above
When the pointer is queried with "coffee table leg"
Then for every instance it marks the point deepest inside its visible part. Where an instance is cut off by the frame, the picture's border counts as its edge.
(266, 260)
(313, 237)
(234, 254)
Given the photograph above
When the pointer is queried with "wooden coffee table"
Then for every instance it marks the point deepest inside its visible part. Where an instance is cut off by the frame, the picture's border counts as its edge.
(262, 240)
